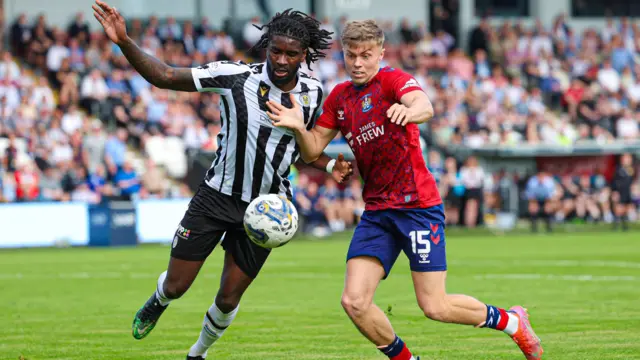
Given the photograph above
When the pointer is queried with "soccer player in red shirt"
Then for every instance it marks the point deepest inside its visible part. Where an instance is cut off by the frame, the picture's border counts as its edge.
(378, 112)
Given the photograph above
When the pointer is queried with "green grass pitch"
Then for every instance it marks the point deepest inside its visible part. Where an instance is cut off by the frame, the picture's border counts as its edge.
(582, 290)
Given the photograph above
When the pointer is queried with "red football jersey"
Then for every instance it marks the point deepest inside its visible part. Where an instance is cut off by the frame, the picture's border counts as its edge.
(389, 156)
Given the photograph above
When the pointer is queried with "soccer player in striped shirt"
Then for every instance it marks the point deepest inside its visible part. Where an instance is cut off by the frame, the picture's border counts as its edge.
(378, 112)
(254, 158)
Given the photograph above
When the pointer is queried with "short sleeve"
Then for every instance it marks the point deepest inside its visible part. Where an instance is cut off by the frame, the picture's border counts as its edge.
(327, 118)
(403, 83)
(218, 76)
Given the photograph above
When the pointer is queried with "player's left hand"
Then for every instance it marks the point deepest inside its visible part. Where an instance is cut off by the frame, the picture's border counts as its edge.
(342, 170)
(399, 114)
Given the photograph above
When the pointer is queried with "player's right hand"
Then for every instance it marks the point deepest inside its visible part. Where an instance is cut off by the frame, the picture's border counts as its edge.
(286, 117)
(342, 170)
(111, 20)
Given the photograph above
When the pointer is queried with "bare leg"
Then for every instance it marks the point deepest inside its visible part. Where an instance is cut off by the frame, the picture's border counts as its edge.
(362, 279)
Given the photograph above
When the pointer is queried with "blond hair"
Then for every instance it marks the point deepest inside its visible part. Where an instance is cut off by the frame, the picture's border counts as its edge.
(362, 31)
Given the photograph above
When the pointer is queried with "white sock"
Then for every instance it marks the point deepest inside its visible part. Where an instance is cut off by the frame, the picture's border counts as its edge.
(162, 299)
(214, 325)
(512, 324)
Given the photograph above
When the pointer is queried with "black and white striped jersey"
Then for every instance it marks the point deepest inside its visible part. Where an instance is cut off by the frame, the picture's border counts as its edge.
(254, 157)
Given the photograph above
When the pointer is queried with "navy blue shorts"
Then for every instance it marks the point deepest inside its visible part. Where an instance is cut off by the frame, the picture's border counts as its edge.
(418, 232)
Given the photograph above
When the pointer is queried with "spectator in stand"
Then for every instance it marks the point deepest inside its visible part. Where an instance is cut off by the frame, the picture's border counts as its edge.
(9, 189)
(79, 29)
(472, 177)
(331, 203)
(11, 155)
(94, 143)
(20, 36)
(9, 70)
(93, 90)
(309, 204)
(42, 96)
(436, 167)
(153, 181)
(97, 179)
(568, 199)
(622, 190)
(127, 181)
(540, 192)
(27, 183)
(116, 148)
(479, 36)
(454, 191)
(588, 198)
(171, 30)
(57, 52)
(353, 203)
(627, 127)
(51, 185)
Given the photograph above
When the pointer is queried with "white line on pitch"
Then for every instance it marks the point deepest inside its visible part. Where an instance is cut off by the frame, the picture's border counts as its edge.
(136, 275)
(548, 263)
(557, 277)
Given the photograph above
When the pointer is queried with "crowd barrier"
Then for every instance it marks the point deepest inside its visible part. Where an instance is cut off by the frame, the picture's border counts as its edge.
(79, 224)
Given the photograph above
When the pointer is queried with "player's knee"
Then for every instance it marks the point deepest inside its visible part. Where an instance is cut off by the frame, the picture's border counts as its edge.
(227, 302)
(435, 309)
(355, 305)
(174, 289)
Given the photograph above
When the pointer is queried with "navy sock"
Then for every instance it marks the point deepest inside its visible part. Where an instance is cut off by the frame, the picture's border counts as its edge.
(394, 349)
(496, 318)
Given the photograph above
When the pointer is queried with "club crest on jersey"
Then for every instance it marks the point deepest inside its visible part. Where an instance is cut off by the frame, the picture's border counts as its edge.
(366, 103)
(263, 90)
(341, 114)
(306, 100)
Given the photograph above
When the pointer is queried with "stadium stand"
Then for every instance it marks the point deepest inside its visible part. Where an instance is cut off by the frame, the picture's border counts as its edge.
(77, 123)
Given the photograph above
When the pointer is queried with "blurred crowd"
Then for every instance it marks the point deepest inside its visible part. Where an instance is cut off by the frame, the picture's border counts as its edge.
(473, 196)
(78, 123)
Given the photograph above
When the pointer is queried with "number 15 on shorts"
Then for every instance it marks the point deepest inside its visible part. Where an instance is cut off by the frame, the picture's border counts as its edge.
(420, 245)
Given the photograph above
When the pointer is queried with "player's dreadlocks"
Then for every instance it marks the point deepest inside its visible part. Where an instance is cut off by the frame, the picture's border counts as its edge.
(300, 26)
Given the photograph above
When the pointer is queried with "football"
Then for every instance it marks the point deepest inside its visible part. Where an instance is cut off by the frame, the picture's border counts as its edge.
(271, 221)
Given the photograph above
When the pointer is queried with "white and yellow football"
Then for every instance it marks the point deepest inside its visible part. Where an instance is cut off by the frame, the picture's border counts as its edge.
(271, 221)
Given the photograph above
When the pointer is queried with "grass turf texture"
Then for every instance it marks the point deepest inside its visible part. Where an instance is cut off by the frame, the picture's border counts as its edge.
(582, 291)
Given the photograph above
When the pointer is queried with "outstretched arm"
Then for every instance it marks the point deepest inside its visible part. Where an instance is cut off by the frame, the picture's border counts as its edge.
(153, 70)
